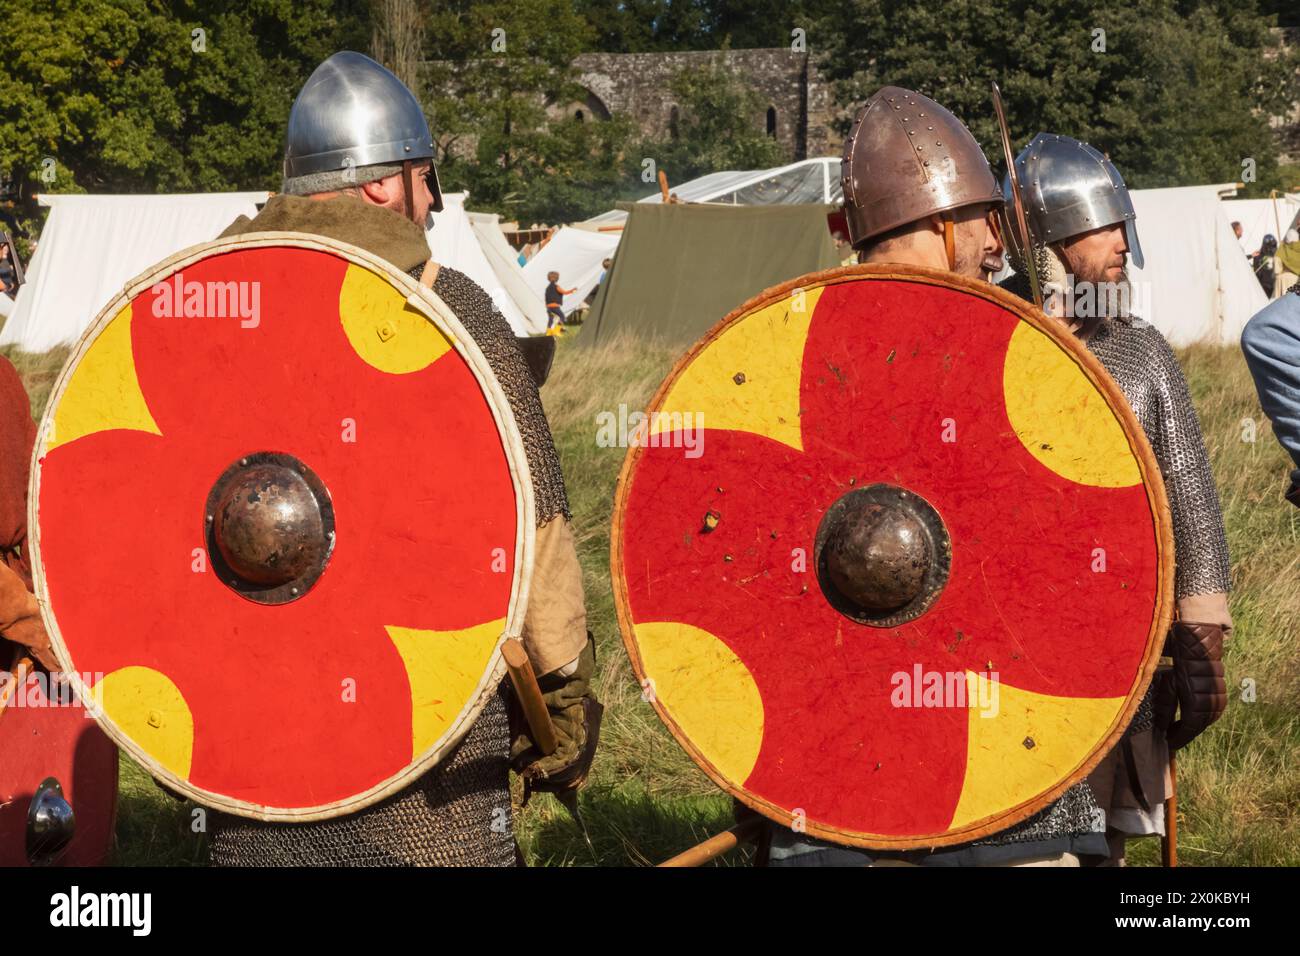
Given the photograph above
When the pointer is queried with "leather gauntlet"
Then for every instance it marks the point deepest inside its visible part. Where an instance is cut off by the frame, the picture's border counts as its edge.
(1196, 687)
(576, 714)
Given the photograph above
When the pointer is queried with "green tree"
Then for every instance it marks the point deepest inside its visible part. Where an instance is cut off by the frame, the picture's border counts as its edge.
(140, 96)
(1177, 93)
(642, 26)
(720, 126)
(498, 97)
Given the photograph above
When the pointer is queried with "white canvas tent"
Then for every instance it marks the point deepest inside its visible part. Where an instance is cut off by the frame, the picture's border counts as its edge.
(1263, 217)
(454, 242)
(576, 254)
(92, 246)
(814, 180)
(1196, 286)
(505, 263)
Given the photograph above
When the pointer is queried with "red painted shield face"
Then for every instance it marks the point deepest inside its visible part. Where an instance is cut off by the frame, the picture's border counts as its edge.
(892, 558)
(277, 531)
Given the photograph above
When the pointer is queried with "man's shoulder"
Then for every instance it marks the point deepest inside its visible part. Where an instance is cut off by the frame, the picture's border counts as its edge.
(381, 232)
(1280, 315)
(1142, 342)
(449, 278)
(475, 308)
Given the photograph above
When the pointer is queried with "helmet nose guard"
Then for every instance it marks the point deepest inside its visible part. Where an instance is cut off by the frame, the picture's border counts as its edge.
(1069, 189)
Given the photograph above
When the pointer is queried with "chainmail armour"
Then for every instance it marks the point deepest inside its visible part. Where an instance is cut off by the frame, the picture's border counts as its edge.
(458, 813)
(1143, 365)
(490, 330)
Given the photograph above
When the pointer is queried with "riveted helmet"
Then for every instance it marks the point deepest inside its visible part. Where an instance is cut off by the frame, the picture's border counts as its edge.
(906, 157)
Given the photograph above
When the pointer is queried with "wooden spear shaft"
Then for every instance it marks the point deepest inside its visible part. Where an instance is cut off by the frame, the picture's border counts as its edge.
(715, 846)
(530, 696)
(1169, 845)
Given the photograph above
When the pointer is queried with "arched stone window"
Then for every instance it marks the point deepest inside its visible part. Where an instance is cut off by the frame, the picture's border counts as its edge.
(771, 121)
(672, 123)
(579, 116)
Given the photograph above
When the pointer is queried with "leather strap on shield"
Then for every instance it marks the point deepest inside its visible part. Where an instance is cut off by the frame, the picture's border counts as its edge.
(408, 191)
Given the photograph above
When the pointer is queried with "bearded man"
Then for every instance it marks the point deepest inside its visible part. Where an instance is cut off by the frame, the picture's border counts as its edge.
(1083, 226)
(359, 167)
(918, 191)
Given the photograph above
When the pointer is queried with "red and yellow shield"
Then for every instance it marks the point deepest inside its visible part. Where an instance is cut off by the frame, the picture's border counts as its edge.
(892, 557)
(281, 521)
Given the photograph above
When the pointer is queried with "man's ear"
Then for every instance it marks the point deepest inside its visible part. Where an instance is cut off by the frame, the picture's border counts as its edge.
(935, 222)
(376, 192)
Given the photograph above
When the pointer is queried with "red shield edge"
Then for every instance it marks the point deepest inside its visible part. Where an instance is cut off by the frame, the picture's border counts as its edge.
(809, 716)
(323, 705)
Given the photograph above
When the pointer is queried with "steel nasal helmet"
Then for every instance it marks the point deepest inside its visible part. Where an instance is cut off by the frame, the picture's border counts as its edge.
(354, 112)
(1069, 188)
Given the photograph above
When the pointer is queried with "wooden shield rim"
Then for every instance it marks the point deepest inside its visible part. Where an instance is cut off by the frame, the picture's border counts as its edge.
(426, 302)
(1151, 480)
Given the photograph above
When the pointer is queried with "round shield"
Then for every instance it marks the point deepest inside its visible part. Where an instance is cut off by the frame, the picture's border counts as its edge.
(281, 522)
(892, 557)
(44, 734)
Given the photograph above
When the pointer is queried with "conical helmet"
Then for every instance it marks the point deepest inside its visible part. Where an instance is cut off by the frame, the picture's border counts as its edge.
(906, 157)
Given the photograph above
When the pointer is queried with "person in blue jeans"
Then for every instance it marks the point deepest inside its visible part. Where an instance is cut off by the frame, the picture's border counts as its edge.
(1271, 344)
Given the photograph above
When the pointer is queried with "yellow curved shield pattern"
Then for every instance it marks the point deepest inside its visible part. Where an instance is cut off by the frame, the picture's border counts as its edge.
(708, 691)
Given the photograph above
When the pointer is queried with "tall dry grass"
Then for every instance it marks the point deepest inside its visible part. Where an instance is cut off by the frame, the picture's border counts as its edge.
(1239, 784)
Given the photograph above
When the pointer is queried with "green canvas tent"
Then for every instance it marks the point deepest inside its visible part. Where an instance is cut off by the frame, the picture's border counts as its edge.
(680, 268)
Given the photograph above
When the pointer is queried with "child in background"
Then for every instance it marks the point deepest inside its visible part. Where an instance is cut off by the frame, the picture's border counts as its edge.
(554, 299)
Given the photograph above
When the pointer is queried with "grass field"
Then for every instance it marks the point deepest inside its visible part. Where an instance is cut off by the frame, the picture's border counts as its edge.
(1239, 784)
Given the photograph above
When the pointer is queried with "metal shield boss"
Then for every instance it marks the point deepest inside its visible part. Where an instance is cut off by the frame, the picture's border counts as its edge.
(893, 559)
(281, 523)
